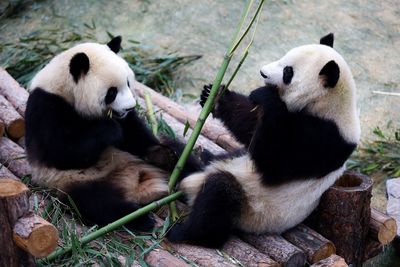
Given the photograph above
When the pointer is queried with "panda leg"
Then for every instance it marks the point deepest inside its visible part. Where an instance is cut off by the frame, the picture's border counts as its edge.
(213, 214)
(101, 202)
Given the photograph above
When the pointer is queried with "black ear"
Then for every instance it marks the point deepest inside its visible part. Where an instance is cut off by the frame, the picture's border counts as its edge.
(79, 66)
(327, 40)
(115, 44)
(330, 74)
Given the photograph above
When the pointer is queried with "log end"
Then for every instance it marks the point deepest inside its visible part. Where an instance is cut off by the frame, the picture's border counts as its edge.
(323, 252)
(16, 129)
(387, 232)
(10, 188)
(41, 240)
(353, 181)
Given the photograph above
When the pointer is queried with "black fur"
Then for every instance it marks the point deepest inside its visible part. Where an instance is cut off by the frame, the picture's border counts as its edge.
(327, 40)
(57, 136)
(294, 145)
(115, 44)
(330, 74)
(236, 111)
(79, 66)
(212, 218)
(287, 75)
(100, 202)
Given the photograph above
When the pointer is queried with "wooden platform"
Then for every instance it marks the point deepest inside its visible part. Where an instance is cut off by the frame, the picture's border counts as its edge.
(297, 247)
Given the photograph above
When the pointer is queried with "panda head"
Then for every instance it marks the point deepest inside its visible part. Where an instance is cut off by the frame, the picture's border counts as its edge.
(92, 78)
(308, 73)
(317, 79)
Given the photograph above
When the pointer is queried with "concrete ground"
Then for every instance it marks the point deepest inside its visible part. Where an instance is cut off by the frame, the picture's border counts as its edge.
(367, 35)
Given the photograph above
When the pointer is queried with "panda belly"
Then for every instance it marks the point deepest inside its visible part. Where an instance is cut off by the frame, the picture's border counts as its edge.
(271, 209)
(136, 180)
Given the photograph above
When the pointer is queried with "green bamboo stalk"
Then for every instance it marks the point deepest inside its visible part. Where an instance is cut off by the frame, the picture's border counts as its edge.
(150, 113)
(210, 101)
(112, 226)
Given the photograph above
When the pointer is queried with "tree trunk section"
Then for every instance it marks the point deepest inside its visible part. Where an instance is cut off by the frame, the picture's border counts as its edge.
(383, 228)
(332, 261)
(277, 248)
(14, 123)
(14, 158)
(35, 235)
(13, 92)
(162, 258)
(313, 244)
(247, 254)
(13, 204)
(344, 214)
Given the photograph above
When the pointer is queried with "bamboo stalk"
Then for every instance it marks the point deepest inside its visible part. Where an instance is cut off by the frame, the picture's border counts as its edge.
(112, 226)
(150, 113)
(210, 100)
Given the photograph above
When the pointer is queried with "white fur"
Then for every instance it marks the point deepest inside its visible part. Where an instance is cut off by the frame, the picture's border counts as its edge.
(306, 89)
(269, 209)
(106, 70)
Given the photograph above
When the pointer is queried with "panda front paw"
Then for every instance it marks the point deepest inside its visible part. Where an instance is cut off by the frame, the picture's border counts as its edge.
(264, 95)
(206, 92)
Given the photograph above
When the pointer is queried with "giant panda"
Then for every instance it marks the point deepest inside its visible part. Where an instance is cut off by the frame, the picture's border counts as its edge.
(85, 139)
(298, 131)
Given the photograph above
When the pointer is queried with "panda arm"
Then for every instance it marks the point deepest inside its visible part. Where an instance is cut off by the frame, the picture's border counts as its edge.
(289, 146)
(238, 114)
(60, 137)
(137, 137)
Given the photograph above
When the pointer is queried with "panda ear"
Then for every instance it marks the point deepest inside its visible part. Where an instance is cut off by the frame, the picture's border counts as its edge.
(79, 66)
(330, 74)
(327, 40)
(115, 44)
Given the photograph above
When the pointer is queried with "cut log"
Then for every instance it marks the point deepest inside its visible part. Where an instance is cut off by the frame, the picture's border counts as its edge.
(162, 258)
(5, 173)
(35, 235)
(343, 215)
(199, 255)
(212, 130)
(14, 158)
(247, 254)
(332, 261)
(13, 204)
(277, 248)
(14, 123)
(383, 228)
(313, 244)
(13, 92)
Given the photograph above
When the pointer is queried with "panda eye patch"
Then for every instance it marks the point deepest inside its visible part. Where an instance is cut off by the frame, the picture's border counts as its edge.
(127, 81)
(287, 74)
(111, 95)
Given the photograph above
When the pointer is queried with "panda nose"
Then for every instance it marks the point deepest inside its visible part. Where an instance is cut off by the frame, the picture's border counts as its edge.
(263, 75)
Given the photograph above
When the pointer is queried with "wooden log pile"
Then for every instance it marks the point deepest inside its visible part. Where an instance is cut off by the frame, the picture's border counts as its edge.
(296, 247)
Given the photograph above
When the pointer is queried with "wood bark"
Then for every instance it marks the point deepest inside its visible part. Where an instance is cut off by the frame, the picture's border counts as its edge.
(332, 261)
(13, 92)
(162, 258)
(211, 129)
(5, 173)
(199, 255)
(372, 248)
(13, 204)
(313, 244)
(277, 248)
(35, 235)
(14, 158)
(2, 128)
(247, 254)
(383, 228)
(344, 214)
(14, 123)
